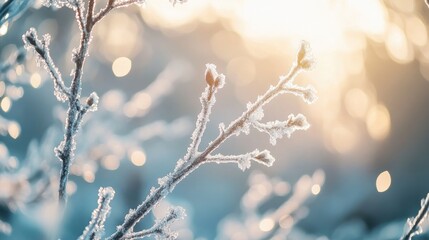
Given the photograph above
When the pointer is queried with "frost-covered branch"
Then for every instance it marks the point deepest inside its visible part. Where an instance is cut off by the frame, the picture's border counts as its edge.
(413, 225)
(214, 81)
(244, 160)
(194, 158)
(41, 48)
(277, 129)
(95, 229)
(161, 227)
(112, 4)
(86, 19)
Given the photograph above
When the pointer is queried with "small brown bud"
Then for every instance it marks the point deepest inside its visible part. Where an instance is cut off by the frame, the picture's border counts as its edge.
(211, 74)
(92, 102)
(213, 78)
(89, 101)
(304, 57)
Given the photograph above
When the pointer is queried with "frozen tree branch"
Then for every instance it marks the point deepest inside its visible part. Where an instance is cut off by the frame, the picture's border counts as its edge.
(278, 129)
(161, 228)
(244, 160)
(113, 4)
(214, 82)
(193, 158)
(95, 229)
(41, 48)
(76, 110)
(413, 225)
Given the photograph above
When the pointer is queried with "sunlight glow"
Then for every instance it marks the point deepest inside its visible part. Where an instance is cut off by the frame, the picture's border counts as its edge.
(89, 176)
(383, 181)
(397, 45)
(14, 130)
(266, 224)
(121, 66)
(344, 139)
(416, 31)
(315, 189)
(35, 80)
(378, 122)
(339, 33)
(5, 104)
(138, 158)
(110, 162)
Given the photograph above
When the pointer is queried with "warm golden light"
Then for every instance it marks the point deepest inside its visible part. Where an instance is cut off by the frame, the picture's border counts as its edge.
(113, 100)
(138, 158)
(89, 176)
(35, 80)
(266, 224)
(416, 31)
(315, 189)
(397, 45)
(142, 100)
(242, 70)
(356, 103)
(121, 66)
(114, 40)
(71, 187)
(383, 181)
(5, 104)
(343, 138)
(14, 130)
(19, 70)
(110, 162)
(378, 122)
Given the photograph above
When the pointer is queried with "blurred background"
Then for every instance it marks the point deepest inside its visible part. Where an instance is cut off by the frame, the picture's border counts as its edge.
(368, 134)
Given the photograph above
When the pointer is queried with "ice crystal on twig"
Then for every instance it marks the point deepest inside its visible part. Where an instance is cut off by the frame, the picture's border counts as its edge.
(244, 160)
(161, 228)
(413, 225)
(95, 229)
(41, 48)
(278, 129)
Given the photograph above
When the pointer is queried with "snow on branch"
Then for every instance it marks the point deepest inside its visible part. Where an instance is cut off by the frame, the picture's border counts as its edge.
(277, 129)
(95, 229)
(251, 117)
(161, 229)
(214, 82)
(41, 48)
(413, 225)
(86, 19)
(244, 160)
